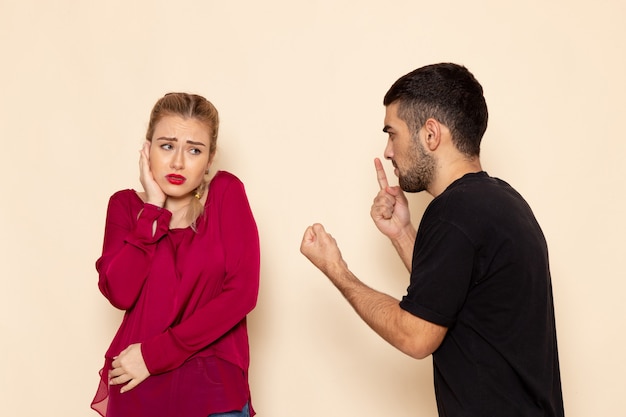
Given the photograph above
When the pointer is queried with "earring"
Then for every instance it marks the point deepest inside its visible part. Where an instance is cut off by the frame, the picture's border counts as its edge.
(200, 190)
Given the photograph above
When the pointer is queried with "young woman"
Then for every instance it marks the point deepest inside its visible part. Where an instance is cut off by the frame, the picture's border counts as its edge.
(182, 259)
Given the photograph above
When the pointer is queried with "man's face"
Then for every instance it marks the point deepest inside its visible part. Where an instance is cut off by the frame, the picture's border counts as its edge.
(414, 166)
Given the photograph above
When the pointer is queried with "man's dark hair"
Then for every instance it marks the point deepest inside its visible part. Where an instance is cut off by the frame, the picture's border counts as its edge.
(448, 93)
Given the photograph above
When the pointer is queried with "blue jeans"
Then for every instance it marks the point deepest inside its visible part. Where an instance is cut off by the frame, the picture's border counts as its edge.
(243, 413)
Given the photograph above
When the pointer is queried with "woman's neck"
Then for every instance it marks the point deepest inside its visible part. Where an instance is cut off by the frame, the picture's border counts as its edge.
(179, 208)
(176, 204)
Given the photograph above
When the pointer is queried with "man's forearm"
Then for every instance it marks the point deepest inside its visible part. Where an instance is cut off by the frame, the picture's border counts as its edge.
(410, 334)
(404, 245)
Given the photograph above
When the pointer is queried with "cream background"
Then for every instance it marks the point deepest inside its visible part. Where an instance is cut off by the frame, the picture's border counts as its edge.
(299, 86)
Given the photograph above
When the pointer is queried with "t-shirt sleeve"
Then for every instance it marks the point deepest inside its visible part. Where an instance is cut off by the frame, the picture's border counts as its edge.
(239, 235)
(129, 245)
(441, 274)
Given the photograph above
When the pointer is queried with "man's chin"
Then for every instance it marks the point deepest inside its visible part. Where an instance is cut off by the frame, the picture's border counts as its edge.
(409, 187)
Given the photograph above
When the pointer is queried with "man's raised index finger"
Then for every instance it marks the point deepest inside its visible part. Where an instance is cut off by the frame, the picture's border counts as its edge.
(380, 174)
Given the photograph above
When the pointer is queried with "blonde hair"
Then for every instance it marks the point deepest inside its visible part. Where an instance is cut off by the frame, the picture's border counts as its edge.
(195, 107)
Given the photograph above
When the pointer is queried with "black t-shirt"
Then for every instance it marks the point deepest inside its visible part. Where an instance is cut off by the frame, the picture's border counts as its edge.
(480, 268)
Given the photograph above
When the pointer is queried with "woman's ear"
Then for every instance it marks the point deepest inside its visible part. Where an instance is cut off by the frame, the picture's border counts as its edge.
(146, 149)
(211, 159)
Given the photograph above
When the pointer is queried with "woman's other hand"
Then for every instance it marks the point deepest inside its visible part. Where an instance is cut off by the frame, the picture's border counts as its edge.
(129, 368)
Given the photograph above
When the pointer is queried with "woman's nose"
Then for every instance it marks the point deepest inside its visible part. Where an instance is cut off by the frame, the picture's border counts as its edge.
(178, 161)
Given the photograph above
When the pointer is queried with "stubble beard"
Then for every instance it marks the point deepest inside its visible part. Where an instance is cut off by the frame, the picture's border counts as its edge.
(421, 170)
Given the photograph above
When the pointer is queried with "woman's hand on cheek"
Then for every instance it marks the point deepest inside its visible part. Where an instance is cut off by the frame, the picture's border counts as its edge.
(154, 194)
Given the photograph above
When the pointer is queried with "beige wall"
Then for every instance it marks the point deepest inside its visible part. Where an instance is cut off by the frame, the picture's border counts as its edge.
(299, 86)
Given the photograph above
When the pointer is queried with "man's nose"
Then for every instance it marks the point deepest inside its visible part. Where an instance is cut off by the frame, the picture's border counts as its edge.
(388, 150)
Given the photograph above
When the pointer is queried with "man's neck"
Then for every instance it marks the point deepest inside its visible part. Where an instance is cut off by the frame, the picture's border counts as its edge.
(451, 171)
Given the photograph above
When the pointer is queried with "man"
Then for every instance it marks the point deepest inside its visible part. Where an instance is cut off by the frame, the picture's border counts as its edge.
(480, 296)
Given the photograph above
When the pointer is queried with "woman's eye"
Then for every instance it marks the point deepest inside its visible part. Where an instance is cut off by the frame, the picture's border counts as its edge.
(167, 146)
(195, 151)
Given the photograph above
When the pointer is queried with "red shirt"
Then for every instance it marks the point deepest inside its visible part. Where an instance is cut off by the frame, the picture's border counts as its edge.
(186, 295)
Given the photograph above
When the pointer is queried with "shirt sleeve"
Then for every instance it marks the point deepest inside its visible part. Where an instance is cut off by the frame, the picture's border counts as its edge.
(240, 239)
(441, 275)
(129, 245)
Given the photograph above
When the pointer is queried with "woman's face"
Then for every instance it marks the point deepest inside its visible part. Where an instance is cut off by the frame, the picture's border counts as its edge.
(179, 155)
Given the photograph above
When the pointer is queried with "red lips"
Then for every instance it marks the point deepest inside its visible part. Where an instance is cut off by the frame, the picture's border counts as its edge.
(175, 179)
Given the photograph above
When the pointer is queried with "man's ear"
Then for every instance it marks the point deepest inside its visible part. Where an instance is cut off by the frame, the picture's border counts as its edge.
(432, 132)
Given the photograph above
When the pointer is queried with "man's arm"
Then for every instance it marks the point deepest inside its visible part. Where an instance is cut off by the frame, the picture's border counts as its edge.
(410, 334)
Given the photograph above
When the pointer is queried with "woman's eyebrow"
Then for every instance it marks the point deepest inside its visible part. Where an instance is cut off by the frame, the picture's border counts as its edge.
(191, 142)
